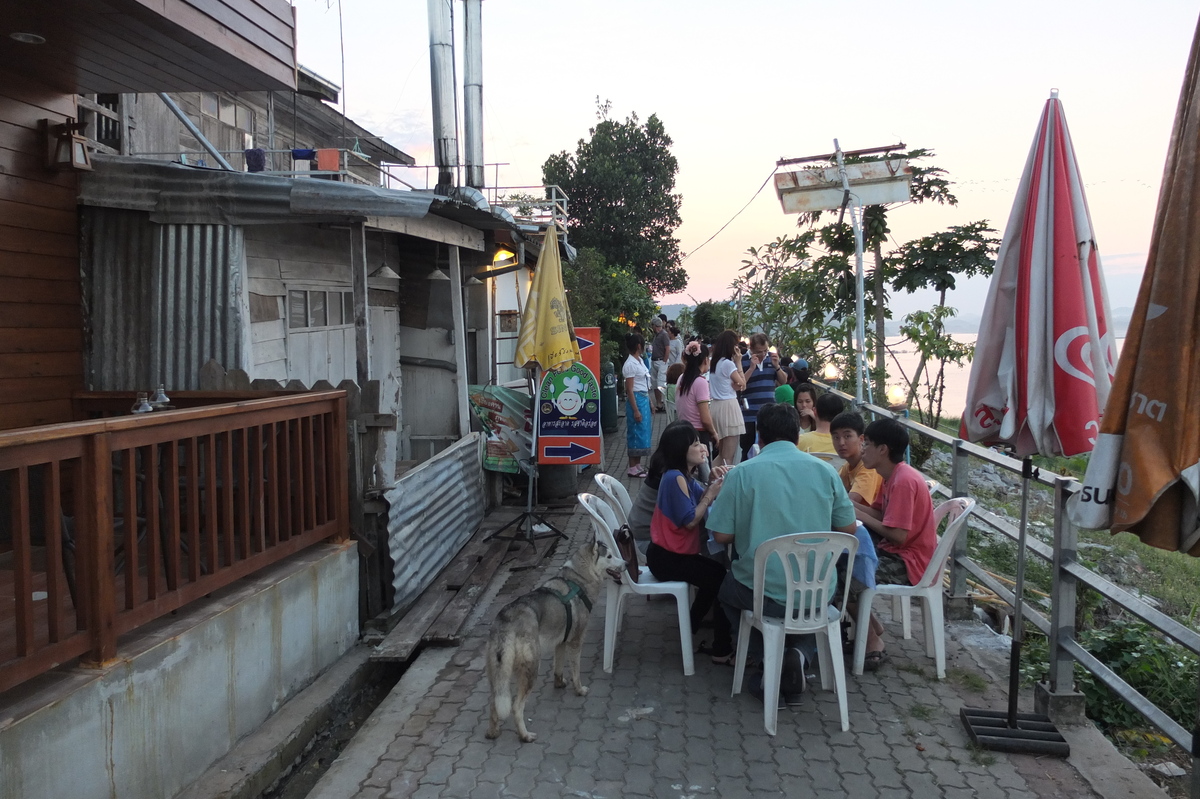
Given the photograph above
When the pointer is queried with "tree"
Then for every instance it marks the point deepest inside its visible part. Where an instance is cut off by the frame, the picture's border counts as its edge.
(607, 297)
(620, 183)
(711, 318)
(935, 262)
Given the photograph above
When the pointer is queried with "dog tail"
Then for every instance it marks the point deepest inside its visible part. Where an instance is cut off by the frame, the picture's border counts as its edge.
(500, 672)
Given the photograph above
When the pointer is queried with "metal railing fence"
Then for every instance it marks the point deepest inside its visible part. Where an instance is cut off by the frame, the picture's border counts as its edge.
(1068, 575)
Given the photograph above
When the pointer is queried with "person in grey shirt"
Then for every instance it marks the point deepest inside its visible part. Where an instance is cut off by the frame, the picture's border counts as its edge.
(675, 351)
(660, 346)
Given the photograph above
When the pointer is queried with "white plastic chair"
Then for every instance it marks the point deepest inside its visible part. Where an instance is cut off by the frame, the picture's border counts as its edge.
(604, 522)
(829, 457)
(928, 589)
(810, 566)
(616, 495)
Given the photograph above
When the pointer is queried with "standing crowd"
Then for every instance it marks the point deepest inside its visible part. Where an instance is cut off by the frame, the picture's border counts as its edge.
(756, 451)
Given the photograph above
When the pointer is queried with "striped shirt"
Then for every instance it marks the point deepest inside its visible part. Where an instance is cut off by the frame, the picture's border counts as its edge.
(760, 386)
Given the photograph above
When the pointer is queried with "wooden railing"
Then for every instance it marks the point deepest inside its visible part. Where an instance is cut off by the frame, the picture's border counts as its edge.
(106, 525)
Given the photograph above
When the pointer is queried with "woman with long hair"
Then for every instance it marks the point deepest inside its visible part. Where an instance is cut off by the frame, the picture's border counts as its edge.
(725, 381)
(677, 531)
(692, 395)
(639, 424)
(806, 406)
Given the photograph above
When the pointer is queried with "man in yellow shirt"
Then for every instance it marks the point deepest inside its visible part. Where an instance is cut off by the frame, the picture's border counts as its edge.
(828, 406)
(863, 485)
(846, 433)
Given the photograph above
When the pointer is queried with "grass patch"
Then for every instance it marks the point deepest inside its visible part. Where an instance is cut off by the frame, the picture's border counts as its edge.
(913, 668)
(921, 712)
(968, 680)
(981, 756)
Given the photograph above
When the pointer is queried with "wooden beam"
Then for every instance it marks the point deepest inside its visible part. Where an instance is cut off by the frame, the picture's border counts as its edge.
(362, 333)
(433, 228)
(458, 319)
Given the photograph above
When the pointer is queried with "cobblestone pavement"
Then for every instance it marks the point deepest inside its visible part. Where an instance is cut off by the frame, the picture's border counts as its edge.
(646, 730)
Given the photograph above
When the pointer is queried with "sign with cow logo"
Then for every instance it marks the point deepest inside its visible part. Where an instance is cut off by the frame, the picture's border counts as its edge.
(569, 417)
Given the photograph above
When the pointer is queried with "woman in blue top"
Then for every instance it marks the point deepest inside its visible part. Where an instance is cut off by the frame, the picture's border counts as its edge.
(677, 530)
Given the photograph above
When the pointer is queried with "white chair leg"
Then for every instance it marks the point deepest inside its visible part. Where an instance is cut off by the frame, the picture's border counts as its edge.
(863, 627)
(823, 662)
(685, 632)
(937, 629)
(611, 620)
(927, 619)
(838, 669)
(773, 643)
(903, 608)
(743, 647)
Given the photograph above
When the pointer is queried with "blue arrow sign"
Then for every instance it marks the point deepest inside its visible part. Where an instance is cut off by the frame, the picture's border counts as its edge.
(583, 342)
(572, 451)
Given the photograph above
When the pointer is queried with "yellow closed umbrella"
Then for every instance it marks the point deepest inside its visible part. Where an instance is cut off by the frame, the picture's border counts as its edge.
(547, 336)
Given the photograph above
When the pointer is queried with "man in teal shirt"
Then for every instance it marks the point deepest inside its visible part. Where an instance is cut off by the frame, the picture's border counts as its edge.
(781, 491)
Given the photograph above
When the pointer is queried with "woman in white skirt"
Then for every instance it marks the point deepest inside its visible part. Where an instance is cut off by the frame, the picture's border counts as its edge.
(725, 380)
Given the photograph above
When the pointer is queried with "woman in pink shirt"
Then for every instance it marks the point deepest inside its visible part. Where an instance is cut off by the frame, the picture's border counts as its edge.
(692, 395)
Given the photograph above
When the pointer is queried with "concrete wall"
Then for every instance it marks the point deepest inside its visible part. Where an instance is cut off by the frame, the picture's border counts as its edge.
(184, 692)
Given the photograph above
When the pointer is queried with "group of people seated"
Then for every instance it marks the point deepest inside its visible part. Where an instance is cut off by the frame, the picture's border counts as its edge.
(688, 510)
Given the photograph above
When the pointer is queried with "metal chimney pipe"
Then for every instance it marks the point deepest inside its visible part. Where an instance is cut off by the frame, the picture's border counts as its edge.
(441, 70)
(473, 94)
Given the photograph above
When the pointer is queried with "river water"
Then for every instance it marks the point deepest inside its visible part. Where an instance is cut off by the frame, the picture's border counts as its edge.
(907, 357)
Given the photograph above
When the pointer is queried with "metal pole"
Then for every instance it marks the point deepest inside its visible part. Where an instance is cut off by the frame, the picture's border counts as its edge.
(959, 488)
(1014, 666)
(195, 131)
(859, 308)
(1062, 593)
(473, 93)
(441, 69)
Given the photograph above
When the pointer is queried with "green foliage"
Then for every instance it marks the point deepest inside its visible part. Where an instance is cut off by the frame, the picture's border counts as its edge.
(927, 330)
(607, 297)
(685, 322)
(710, 319)
(1156, 667)
(936, 260)
(621, 183)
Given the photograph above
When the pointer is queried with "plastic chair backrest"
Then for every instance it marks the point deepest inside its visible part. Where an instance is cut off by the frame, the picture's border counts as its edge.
(617, 495)
(810, 571)
(604, 521)
(957, 510)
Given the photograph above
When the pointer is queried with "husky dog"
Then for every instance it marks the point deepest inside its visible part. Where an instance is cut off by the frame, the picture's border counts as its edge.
(554, 615)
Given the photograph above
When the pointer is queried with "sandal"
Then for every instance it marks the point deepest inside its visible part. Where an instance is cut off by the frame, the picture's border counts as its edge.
(636, 471)
(874, 660)
(719, 660)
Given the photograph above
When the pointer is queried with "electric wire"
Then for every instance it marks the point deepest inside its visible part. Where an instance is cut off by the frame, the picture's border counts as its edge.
(730, 222)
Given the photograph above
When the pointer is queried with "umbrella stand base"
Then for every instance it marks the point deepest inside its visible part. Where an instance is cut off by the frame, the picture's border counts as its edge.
(1034, 733)
(523, 531)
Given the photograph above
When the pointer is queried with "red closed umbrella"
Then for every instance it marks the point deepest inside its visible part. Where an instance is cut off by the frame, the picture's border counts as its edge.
(1044, 358)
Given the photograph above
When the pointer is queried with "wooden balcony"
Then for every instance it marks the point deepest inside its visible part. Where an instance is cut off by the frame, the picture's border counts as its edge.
(108, 524)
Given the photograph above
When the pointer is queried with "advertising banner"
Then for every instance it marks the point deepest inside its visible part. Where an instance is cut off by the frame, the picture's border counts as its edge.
(507, 419)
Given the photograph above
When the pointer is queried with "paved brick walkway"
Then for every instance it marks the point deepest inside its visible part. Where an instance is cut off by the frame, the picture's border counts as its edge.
(648, 731)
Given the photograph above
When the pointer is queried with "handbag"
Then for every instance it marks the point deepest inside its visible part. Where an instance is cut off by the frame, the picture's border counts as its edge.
(627, 549)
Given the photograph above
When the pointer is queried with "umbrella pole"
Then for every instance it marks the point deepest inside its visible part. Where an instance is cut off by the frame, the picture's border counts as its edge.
(1011, 731)
(1018, 638)
(525, 523)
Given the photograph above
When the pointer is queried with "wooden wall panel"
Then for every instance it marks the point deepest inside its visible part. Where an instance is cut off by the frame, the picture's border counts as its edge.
(41, 340)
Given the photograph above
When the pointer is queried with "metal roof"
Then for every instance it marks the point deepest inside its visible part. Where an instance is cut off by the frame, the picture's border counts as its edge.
(178, 194)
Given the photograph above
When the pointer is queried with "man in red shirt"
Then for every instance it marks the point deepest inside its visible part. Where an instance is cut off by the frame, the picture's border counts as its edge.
(901, 518)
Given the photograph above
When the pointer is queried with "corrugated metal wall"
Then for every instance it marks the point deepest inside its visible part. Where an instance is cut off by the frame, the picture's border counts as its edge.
(160, 300)
(434, 511)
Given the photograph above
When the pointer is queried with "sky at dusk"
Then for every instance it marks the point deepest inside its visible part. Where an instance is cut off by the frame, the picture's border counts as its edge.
(739, 86)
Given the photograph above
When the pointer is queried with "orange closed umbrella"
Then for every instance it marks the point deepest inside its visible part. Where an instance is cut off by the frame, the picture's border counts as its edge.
(1144, 474)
